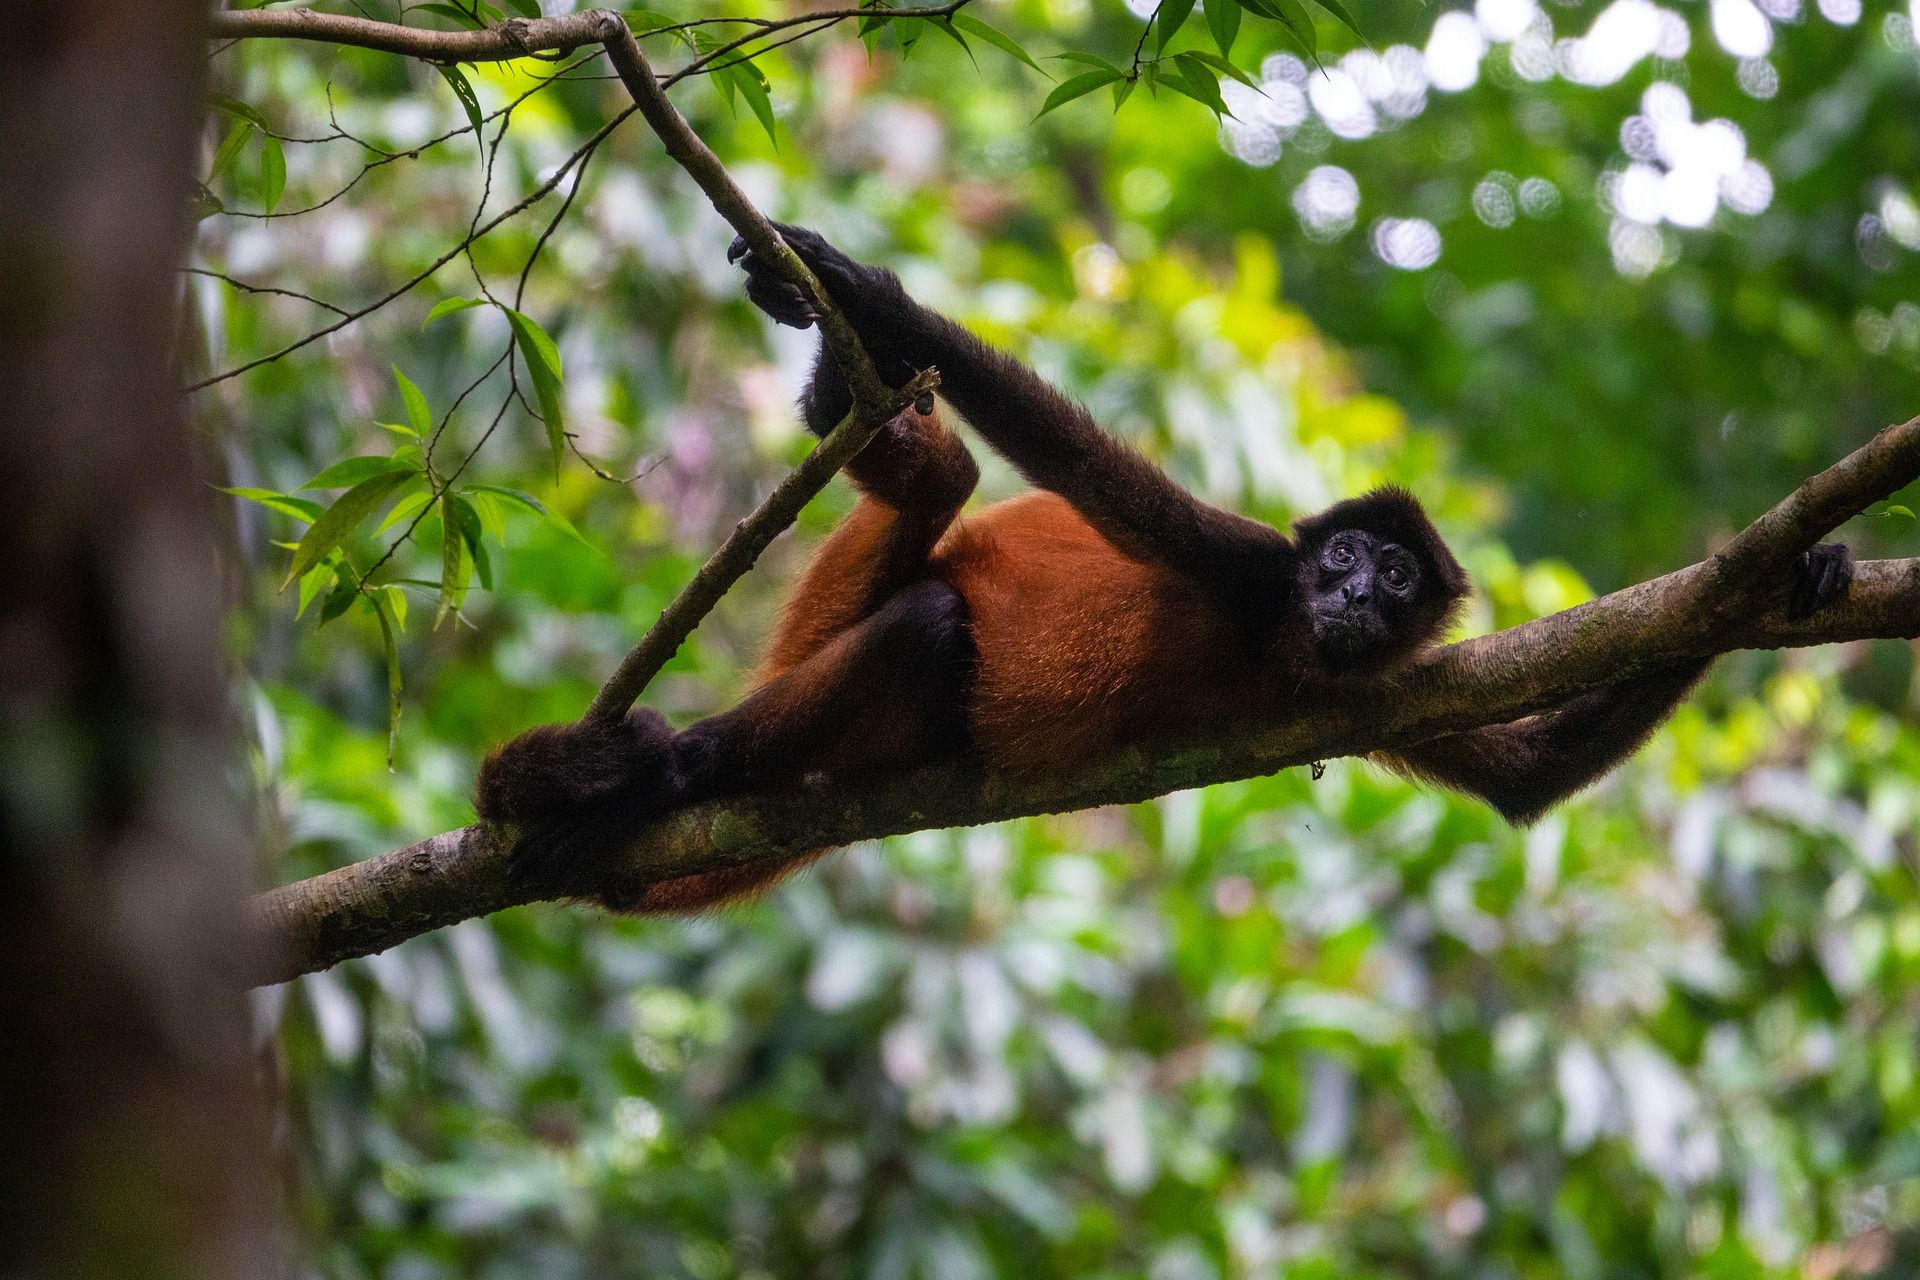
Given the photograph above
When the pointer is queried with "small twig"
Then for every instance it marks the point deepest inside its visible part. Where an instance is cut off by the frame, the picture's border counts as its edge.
(386, 157)
(533, 256)
(1140, 47)
(647, 466)
(827, 17)
(702, 69)
(427, 273)
(244, 287)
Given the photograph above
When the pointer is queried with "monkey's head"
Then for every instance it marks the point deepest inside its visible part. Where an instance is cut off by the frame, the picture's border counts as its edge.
(1376, 580)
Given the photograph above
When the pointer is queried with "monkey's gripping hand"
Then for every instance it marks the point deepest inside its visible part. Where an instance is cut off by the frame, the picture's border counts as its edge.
(866, 294)
(575, 791)
(1820, 576)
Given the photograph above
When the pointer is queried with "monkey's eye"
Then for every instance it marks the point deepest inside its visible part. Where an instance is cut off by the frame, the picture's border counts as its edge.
(1341, 556)
(1396, 578)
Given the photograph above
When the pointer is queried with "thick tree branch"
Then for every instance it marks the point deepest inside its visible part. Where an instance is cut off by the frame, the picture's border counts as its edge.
(373, 905)
(514, 38)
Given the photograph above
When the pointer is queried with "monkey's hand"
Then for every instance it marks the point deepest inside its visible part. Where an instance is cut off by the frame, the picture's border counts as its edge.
(860, 290)
(574, 790)
(1820, 576)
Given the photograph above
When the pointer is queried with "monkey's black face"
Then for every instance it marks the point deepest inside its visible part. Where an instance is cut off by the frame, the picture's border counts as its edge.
(1364, 599)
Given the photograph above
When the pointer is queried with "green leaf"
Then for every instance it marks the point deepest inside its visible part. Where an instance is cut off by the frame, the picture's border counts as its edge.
(405, 509)
(351, 471)
(946, 28)
(1339, 11)
(1122, 91)
(1895, 509)
(342, 595)
(1196, 83)
(392, 648)
(469, 521)
(525, 8)
(1291, 16)
(643, 21)
(519, 496)
(753, 87)
(418, 415)
(229, 106)
(298, 508)
(1088, 59)
(545, 512)
(1171, 15)
(461, 88)
(447, 306)
(1000, 40)
(1223, 19)
(396, 604)
(1078, 87)
(453, 564)
(543, 365)
(339, 520)
(459, 15)
(229, 148)
(1201, 79)
(273, 171)
(310, 584)
(1223, 66)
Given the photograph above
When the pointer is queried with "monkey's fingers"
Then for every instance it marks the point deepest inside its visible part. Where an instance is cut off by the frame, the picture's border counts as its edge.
(781, 299)
(1821, 576)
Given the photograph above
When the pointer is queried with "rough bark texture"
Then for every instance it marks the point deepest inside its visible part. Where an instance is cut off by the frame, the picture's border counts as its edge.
(514, 38)
(373, 905)
(126, 1092)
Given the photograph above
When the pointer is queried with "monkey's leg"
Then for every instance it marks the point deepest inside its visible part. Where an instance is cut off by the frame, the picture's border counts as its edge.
(915, 476)
(890, 690)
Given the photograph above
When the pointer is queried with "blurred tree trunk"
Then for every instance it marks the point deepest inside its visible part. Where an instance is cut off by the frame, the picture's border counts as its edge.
(132, 1131)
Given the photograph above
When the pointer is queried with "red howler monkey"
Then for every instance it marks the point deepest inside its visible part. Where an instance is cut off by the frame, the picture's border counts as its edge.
(1110, 607)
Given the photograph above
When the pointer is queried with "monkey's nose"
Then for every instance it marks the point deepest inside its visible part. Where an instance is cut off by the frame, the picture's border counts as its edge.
(1354, 594)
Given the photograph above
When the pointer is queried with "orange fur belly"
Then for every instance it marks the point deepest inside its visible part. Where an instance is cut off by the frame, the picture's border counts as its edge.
(1080, 649)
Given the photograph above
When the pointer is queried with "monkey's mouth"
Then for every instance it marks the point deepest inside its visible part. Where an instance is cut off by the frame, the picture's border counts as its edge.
(1347, 636)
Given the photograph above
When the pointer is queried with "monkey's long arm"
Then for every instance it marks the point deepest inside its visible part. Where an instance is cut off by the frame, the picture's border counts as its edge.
(1051, 440)
(1526, 767)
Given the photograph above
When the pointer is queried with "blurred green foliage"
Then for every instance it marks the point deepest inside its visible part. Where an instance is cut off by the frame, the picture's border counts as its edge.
(1286, 1028)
